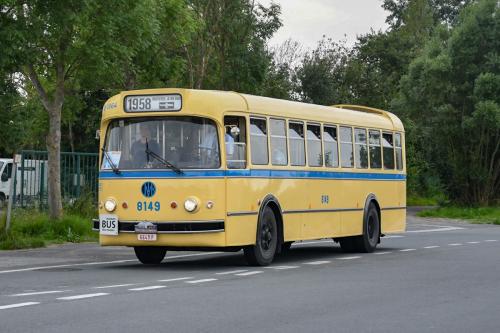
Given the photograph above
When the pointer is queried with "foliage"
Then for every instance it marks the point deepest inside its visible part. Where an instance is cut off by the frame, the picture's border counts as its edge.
(451, 93)
(34, 229)
(476, 214)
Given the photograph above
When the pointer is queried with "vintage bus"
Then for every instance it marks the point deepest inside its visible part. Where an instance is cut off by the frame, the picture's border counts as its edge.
(196, 169)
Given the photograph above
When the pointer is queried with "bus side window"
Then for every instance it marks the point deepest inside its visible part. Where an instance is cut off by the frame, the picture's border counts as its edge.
(278, 142)
(235, 142)
(330, 143)
(297, 143)
(399, 151)
(258, 141)
(346, 153)
(314, 154)
(361, 151)
(388, 150)
(375, 149)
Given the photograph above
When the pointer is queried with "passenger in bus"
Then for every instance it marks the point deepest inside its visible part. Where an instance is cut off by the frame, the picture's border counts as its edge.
(140, 158)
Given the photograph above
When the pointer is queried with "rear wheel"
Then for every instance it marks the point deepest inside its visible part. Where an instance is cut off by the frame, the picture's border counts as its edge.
(262, 253)
(150, 255)
(371, 233)
(2, 201)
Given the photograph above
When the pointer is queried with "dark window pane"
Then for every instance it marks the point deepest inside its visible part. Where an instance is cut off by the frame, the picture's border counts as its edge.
(297, 144)
(258, 141)
(346, 151)
(361, 148)
(314, 155)
(388, 147)
(330, 143)
(279, 154)
(399, 151)
(375, 150)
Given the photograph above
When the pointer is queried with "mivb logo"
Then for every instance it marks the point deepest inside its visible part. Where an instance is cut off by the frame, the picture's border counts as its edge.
(148, 189)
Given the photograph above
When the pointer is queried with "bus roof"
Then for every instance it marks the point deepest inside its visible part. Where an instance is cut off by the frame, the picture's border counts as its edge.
(214, 103)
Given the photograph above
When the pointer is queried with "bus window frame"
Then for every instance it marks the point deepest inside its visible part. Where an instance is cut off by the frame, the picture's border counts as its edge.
(365, 144)
(393, 150)
(286, 142)
(338, 144)
(320, 142)
(302, 123)
(267, 138)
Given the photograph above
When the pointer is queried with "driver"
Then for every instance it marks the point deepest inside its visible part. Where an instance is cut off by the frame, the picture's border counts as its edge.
(140, 158)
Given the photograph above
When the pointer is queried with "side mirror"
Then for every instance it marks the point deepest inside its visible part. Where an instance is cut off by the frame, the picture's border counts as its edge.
(97, 134)
(5, 177)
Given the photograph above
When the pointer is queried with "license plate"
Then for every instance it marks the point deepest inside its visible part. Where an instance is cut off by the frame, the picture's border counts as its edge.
(108, 224)
(146, 237)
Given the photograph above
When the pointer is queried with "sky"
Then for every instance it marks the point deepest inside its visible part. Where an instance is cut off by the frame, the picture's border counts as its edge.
(306, 21)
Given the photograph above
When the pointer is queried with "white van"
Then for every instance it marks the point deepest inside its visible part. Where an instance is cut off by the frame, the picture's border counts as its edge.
(35, 176)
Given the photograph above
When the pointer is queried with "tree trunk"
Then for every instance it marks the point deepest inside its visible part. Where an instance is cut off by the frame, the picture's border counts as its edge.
(54, 172)
(53, 109)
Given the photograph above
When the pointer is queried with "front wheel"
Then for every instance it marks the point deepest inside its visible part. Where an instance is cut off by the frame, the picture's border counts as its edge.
(262, 253)
(150, 255)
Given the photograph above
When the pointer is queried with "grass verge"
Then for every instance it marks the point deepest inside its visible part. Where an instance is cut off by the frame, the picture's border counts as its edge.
(30, 229)
(489, 215)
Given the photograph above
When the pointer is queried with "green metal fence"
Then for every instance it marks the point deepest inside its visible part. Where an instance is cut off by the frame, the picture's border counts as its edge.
(79, 173)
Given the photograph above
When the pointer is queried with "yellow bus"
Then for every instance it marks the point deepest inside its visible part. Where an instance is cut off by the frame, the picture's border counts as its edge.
(193, 169)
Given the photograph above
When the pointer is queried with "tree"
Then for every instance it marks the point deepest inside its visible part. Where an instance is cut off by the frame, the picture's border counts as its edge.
(55, 41)
(228, 48)
(322, 74)
(452, 93)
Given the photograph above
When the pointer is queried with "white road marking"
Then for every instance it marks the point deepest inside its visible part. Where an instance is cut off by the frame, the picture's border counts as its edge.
(393, 236)
(17, 305)
(281, 267)
(349, 258)
(40, 293)
(99, 263)
(472, 242)
(407, 250)
(146, 288)
(201, 281)
(249, 273)
(455, 244)
(491, 240)
(232, 272)
(379, 253)
(69, 298)
(117, 285)
(431, 247)
(437, 229)
(176, 279)
(319, 262)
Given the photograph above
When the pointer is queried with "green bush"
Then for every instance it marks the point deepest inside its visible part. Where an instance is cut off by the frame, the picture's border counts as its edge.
(31, 228)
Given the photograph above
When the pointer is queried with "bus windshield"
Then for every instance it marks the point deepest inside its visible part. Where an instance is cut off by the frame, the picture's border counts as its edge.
(182, 142)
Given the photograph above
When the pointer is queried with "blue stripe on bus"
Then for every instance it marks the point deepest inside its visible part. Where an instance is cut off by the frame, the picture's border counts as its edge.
(148, 174)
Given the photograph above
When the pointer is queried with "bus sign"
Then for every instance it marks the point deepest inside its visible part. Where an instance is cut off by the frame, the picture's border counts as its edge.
(153, 103)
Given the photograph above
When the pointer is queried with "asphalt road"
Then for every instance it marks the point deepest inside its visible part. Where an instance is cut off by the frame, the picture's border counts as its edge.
(440, 276)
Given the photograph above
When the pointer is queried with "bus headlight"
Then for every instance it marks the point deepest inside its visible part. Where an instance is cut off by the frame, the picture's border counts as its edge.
(190, 205)
(110, 205)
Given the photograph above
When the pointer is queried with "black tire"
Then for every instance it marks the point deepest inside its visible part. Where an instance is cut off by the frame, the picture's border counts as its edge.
(150, 255)
(367, 242)
(371, 231)
(348, 244)
(262, 253)
(3, 202)
(286, 247)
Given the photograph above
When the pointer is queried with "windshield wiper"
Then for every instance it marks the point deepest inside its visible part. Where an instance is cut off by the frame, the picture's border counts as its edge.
(111, 164)
(162, 160)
